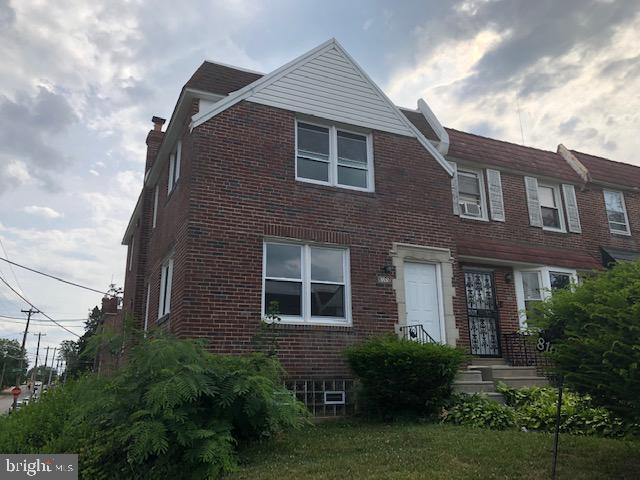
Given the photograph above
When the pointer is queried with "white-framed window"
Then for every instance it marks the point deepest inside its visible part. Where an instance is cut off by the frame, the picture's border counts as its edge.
(471, 194)
(537, 284)
(174, 167)
(327, 154)
(166, 279)
(551, 207)
(306, 283)
(616, 212)
(131, 246)
(156, 194)
(146, 308)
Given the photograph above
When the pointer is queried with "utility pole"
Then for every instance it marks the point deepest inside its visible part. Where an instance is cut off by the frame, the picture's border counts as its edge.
(35, 368)
(44, 372)
(53, 359)
(29, 312)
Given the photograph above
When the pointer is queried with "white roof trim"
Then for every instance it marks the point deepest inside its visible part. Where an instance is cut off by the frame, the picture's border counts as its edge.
(268, 79)
(432, 120)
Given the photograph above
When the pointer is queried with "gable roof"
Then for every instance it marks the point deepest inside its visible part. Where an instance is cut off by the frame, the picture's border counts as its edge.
(510, 156)
(603, 170)
(319, 83)
(420, 123)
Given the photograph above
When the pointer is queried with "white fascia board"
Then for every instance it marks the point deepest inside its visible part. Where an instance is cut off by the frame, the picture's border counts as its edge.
(132, 221)
(432, 120)
(250, 89)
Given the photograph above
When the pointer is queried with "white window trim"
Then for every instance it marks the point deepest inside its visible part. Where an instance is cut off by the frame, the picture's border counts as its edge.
(174, 166)
(624, 208)
(560, 203)
(146, 309)
(156, 195)
(306, 318)
(333, 156)
(483, 196)
(545, 286)
(166, 281)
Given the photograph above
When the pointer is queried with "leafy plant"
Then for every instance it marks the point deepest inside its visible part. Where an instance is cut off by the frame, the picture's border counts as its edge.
(535, 409)
(478, 412)
(595, 330)
(400, 376)
(174, 410)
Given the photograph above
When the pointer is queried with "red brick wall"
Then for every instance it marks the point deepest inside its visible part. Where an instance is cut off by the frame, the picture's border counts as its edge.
(243, 189)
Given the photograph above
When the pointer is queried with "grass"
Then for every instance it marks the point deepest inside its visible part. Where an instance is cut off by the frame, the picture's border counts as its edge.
(431, 451)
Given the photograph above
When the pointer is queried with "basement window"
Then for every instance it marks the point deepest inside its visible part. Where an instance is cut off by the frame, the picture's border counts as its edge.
(305, 283)
(331, 155)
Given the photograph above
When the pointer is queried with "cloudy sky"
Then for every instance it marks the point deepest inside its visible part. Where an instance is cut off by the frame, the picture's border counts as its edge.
(80, 81)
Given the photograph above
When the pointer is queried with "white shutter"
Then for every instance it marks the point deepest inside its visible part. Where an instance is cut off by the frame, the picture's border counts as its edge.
(533, 203)
(454, 189)
(496, 202)
(571, 205)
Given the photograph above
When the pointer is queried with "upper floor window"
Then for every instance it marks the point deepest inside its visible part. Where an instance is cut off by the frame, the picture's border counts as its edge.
(551, 207)
(331, 155)
(471, 194)
(306, 283)
(174, 166)
(166, 279)
(616, 212)
(156, 194)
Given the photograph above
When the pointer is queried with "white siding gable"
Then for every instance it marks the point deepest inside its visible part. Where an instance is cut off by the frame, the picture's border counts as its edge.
(326, 82)
(330, 86)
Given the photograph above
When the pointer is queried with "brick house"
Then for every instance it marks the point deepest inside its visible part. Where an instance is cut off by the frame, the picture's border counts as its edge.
(307, 191)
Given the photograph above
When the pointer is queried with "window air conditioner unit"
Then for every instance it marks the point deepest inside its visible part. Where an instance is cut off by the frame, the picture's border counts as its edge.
(471, 209)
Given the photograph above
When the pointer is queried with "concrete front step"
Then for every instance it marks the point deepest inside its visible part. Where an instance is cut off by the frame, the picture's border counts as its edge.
(474, 387)
(469, 375)
(488, 361)
(523, 382)
(494, 372)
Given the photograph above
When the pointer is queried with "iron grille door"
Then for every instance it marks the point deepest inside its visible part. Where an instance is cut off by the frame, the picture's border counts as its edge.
(483, 313)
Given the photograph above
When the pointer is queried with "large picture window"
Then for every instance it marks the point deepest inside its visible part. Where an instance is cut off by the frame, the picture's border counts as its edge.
(306, 283)
(537, 284)
(331, 155)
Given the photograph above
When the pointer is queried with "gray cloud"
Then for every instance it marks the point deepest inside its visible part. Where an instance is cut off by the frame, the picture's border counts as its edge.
(28, 125)
(538, 31)
(7, 14)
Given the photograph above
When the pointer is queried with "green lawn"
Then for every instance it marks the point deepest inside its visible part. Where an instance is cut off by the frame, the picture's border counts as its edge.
(345, 451)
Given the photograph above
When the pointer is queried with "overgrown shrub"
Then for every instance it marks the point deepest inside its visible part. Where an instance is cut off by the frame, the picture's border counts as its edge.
(595, 331)
(478, 412)
(535, 409)
(174, 411)
(403, 377)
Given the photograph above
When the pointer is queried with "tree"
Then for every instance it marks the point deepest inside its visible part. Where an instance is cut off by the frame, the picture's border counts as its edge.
(78, 355)
(42, 373)
(595, 332)
(10, 356)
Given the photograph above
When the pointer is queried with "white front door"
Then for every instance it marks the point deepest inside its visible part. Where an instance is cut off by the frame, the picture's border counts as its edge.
(422, 298)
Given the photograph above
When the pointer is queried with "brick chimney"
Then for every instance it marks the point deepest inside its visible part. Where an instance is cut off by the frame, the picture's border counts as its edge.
(109, 304)
(154, 139)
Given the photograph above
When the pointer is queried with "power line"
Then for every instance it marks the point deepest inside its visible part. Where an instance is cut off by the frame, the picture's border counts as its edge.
(41, 323)
(56, 278)
(33, 306)
(11, 268)
(36, 320)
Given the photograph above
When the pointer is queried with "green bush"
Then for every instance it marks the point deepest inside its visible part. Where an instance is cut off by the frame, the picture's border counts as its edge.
(479, 412)
(595, 331)
(535, 409)
(403, 377)
(173, 410)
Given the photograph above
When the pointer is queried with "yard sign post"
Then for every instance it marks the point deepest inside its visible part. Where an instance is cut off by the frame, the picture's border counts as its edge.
(557, 432)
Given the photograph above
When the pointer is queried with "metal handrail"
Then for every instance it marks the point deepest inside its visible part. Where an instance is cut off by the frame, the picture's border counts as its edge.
(416, 333)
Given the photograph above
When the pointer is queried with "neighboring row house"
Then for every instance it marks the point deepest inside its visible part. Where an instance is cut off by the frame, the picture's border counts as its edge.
(306, 193)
